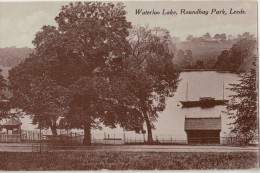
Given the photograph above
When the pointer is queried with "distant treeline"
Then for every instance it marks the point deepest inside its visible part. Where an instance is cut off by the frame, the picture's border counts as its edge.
(239, 57)
(207, 37)
(219, 52)
(225, 55)
(11, 56)
(199, 53)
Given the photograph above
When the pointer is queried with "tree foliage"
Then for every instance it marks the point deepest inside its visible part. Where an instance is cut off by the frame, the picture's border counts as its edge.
(2, 84)
(223, 61)
(71, 65)
(240, 56)
(36, 94)
(243, 106)
(151, 75)
(4, 104)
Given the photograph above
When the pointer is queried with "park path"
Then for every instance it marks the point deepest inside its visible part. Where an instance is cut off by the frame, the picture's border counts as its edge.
(27, 147)
(168, 148)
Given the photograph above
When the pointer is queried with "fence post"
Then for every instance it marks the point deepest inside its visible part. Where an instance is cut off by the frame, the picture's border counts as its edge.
(114, 139)
(93, 138)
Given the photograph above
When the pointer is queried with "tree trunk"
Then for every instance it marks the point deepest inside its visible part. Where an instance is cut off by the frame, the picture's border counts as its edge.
(54, 129)
(87, 133)
(149, 128)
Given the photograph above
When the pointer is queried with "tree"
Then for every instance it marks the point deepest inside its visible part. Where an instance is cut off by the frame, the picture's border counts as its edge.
(188, 57)
(37, 95)
(207, 36)
(4, 104)
(180, 54)
(230, 37)
(200, 64)
(242, 54)
(180, 60)
(217, 37)
(239, 58)
(88, 45)
(243, 106)
(246, 35)
(151, 75)
(2, 84)
(99, 31)
(223, 37)
(223, 61)
(189, 38)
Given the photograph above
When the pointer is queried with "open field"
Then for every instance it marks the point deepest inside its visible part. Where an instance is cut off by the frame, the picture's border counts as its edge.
(116, 160)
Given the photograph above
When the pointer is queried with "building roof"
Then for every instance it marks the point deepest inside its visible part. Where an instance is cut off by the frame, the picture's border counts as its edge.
(12, 122)
(202, 123)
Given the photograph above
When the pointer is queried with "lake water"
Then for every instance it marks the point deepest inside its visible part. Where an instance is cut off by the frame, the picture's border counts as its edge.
(200, 84)
(171, 121)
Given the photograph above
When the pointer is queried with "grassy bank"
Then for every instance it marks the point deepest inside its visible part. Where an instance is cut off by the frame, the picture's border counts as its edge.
(92, 160)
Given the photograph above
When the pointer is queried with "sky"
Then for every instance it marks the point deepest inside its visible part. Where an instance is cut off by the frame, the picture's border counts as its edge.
(20, 21)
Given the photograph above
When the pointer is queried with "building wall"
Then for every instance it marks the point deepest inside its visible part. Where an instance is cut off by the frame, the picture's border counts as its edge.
(203, 136)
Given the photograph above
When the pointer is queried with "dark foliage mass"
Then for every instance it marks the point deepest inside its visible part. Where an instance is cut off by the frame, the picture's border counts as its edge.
(239, 57)
(243, 106)
(4, 103)
(151, 74)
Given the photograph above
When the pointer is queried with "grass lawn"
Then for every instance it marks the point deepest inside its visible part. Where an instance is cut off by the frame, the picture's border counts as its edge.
(92, 160)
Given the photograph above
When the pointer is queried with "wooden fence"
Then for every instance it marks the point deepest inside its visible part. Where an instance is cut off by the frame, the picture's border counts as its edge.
(10, 138)
(72, 138)
(172, 140)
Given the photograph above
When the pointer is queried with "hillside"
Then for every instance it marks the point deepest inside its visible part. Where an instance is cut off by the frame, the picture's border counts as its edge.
(11, 56)
(205, 51)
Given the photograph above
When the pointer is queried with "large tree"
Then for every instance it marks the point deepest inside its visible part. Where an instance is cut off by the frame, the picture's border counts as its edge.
(36, 94)
(88, 45)
(243, 106)
(151, 75)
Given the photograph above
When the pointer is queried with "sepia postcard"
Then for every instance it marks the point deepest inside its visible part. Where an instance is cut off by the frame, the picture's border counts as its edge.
(129, 85)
